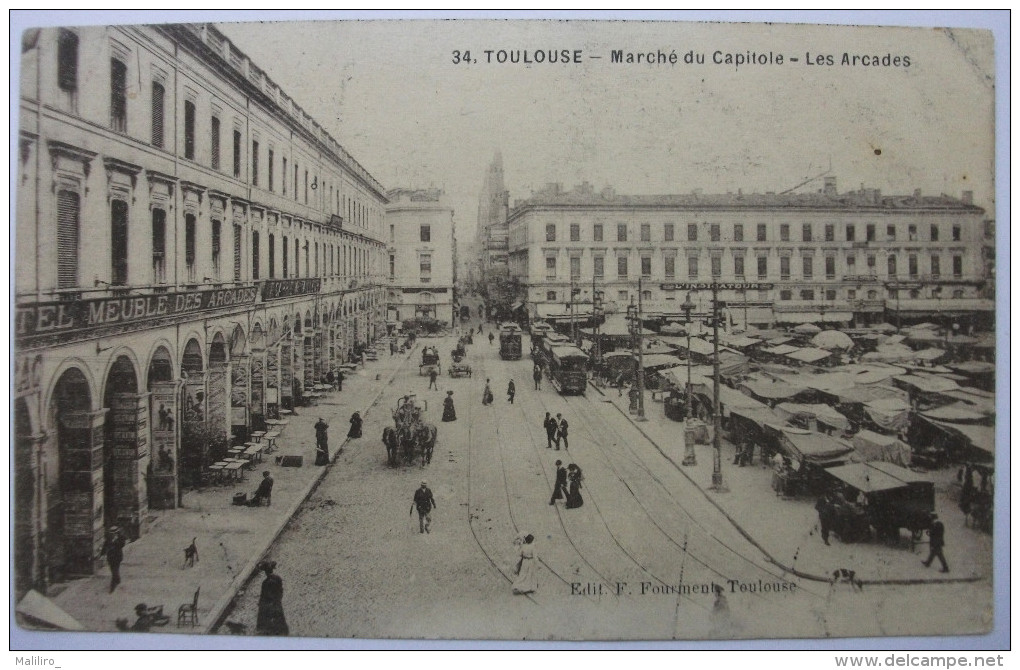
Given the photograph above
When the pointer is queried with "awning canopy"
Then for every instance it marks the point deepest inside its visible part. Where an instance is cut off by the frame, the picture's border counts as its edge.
(823, 413)
(940, 306)
(959, 412)
(771, 391)
(872, 446)
(928, 383)
(806, 445)
(873, 477)
(809, 355)
(781, 350)
(979, 437)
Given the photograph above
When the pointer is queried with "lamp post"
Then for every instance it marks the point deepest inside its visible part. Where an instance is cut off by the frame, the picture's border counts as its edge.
(634, 316)
(717, 478)
(687, 308)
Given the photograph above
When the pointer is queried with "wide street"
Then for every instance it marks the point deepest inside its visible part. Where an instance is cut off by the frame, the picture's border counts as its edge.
(637, 561)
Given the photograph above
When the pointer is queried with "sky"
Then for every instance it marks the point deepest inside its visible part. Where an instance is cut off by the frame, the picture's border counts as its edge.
(390, 92)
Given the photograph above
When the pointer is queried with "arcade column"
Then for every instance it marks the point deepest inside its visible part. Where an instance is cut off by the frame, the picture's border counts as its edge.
(81, 437)
(129, 451)
(239, 390)
(164, 479)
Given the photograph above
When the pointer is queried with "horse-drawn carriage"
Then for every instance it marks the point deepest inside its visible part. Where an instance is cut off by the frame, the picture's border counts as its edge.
(410, 437)
(429, 361)
(891, 497)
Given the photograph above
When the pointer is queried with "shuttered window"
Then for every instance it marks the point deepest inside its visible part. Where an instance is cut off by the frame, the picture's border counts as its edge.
(68, 226)
(216, 240)
(119, 242)
(255, 255)
(237, 153)
(189, 245)
(285, 251)
(158, 96)
(237, 252)
(215, 143)
(158, 246)
(118, 95)
(189, 130)
(67, 61)
(254, 163)
(272, 256)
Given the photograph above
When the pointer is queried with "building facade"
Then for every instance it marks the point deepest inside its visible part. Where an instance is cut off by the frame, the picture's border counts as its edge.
(422, 255)
(851, 258)
(193, 250)
(492, 234)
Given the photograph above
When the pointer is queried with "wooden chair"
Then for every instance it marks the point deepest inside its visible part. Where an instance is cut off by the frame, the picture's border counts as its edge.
(188, 612)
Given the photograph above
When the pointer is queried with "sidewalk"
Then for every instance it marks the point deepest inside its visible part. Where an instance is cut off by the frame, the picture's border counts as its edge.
(231, 539)
(786, 530)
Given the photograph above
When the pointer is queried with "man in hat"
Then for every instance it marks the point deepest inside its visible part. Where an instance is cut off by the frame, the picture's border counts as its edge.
(425, 503)
(113, 548)
(263, 492)
(511, 391)
(937, 540)
(321, 442)
(560, 487)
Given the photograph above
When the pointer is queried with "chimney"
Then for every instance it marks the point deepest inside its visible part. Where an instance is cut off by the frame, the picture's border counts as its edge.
(968, 197)
(830, 187)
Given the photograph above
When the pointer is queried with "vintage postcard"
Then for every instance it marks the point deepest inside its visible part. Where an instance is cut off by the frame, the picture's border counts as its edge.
(542, 330)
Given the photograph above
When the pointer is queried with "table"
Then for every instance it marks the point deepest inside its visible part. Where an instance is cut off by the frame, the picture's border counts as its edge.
(270, 439)
(257, 435)
(286, 411)
(254, 452)
(216, 471)
(235, 470)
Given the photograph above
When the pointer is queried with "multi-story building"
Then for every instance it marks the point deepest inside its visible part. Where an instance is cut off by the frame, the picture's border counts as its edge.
(856, 257)
(422, 255)
(192, 251)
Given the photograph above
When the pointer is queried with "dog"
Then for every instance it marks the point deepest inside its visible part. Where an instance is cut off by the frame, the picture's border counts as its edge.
(846, 576)
(191, 554)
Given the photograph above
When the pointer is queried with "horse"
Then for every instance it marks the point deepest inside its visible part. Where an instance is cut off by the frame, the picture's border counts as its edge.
(389, 438)
(425, 436)
(406, 441)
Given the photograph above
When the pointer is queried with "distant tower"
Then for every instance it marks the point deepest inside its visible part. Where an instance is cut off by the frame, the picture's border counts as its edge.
(493, 203)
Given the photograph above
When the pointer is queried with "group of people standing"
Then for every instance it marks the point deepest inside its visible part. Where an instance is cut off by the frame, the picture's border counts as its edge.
(568, 485)
(556, 431)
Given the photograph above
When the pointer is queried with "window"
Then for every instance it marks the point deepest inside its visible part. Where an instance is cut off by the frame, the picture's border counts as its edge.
(786, 294)
(622, 296)
(269, 164)
(830, 294)
(621, 266)
(646, 266)
(189, 246)
(550, 267)
(957, 294)
(912, 265)
(851, 294)
(550, 296)
(869, 232)
(316, 250)
(254, 163)
(830, 267)
(597, 232)
(158, 246)
(575, 267)
(237, 252)
(669, 264)
(872, 294)
(621, 232)
(830, 232)
(851, 264)
(890, 232)
(308, 266)
(850, 232)
(214, 125)
(158, 98)
(283, 174)
(784, 267)
(934, 233)
(646, 232)
(118, 95)
(237, 153)
(936, 266)
(575, 232)
(425, 233)
(692, 232)
(272, 256)
(871, 263)
(713, 232)
(692, 267)
(892, 266)
(912, 233)
(806, 232)
(68, 235)
(957, 266)
(761, 232)
(306, 187)
(425, 267)
(393, 266)
(668, 232)
(118, 242)
(216, 248)
(957, 233)
(296, 173)
(784, 232)
(763, 267)
(255, 254)
(807, 294)
(67, 69)
(599, 266)
(393, 232)
(738, 266)
(738, 232)
(716, 266)
(285, 249)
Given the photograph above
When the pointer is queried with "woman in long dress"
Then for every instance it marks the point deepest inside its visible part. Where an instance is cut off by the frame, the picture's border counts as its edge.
(270, 618)
(449, 412)
(574, 479)
(526, 579)
(487, 394)
(355, 430)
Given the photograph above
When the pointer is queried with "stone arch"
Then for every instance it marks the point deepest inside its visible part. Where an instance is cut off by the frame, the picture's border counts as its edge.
(192, 361)
(218, 350)
(238, 341)
(258, 337)
(161, 366)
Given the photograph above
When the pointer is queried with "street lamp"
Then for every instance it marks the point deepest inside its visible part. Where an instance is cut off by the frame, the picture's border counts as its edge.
(717, 479)
(634, 312)
(687, 308)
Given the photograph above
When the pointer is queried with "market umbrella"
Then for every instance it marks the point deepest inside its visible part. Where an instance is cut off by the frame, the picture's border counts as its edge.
(884, 328)
(807, 329)
(832, 339)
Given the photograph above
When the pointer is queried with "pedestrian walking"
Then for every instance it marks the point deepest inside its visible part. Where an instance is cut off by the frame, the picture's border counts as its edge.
(271, 620)
(560, 487)
(825, 516)
(113, 548)
(574, 479)
(340, 380)
(449, 412)
(536, 374)
(479, 328)
(321, 442)
(355, 430)
(487, 394)
(331, 379)
(936, 541)
(491, 338)
(433, 374)
(525, 572)
(511, 391)
(551, 427)
(561, 431)
(424, 502)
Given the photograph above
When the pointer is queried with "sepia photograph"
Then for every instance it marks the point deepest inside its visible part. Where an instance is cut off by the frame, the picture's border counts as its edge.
(277, 281)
